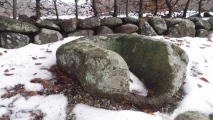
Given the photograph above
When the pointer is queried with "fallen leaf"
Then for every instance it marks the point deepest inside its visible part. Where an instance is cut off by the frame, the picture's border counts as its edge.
(6, 70)
(12, 69)
(34, 58)
(5, 51)
(55, 87)
(38, 63)
(172, 40)
(45, 83)
(8, 74)
(187, 46)
(62, 39)
(199, 85)
(48, 51)
(1, 54)
(151, 92)
(204, 79)
(199, 73)
(42, 57)
(33, 93)
(36, 80)
(179, 40)
(148, 111)
(202, 47)
(131, 80)
(206, 45)
(35, 74)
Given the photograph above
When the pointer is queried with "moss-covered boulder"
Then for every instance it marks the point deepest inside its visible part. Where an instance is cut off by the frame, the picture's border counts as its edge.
(111, 22)
(182, 29)
(191, 115)
(126, 28)
(89, 23)
(104, 30)
(47, 24)
(11, 40)
(101, 72)
(161, 64)
(145, 28)
(47, 36)
(68, 25)
(82, 33)
(158, 24)
(11, 25)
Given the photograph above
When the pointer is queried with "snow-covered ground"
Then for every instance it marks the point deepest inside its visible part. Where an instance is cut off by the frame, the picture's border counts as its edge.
(20, 66)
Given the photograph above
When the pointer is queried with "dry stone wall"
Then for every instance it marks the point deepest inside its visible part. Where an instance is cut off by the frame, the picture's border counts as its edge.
(47, 31)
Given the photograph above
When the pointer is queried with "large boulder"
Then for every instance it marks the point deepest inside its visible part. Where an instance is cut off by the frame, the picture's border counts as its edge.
(104, 30)
(191, 115)
(173, 21)
(210, 20)
(201, 33)
(10, 40)
(145, 28)
(82, 33)
(130, 20)
(68, 25)
(47, 24)
(183, 29)
(111, 22)
(200, 23)
(161, 64)
(101, 72)
(89, 23)
(158, 24)
(47, 36)
(126, 28)
(11, 25)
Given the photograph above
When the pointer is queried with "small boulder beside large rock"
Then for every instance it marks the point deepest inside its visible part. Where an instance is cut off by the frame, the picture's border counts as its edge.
(158, 24)
(68, 25)
(89, 23)
(126, 28)
(111, 22)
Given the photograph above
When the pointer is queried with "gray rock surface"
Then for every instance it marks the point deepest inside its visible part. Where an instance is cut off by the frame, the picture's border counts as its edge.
(130, 20)
(145, 28)
(185, 28)
(89, 23)
(101, 72)
(126, 28)
(47, 24)
(191, 115)
(82, 33)
(158, 24)
(10, 40)
(161, 64)
(47, 36)
(201, 33)
(11, 25)
(200, 23)
(173, 21)
(210, 20)
(68, 25)
(104, 30)
(111, 22)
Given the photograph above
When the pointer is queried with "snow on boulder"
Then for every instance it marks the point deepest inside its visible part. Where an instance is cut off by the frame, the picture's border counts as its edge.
(99, 62)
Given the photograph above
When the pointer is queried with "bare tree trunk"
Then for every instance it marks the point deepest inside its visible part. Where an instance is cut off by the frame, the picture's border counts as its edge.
(56, 9)
(199, 8)
(76, 9)
(38, 9)
(140, 12)
(156, 7)
(170, 4)
(95, 8)
(115, 14)
(186, 8)
(14, 9)
(127, 8)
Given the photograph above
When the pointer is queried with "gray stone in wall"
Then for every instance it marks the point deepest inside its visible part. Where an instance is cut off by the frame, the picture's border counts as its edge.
(173, 21)
(200, 23)
(130, 20)
(126, 28)
(111, 22)
(158, 24)
(24, 18)
(47, 24)
(82, 33)
(11, 25)
(201, 33)
(104, 30)
(68, 25)
(47, 36)
(145, 28)
(191, 115)
(10, 40)
(210, 20)
(89, 23)
(183, 29)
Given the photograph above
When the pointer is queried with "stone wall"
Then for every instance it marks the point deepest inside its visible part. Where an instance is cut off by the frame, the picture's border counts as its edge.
(18, 33)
